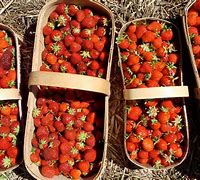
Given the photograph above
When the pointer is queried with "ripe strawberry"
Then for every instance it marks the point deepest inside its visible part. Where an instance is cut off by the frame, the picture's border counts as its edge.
(6, 58)
(173, 58)
(59, 126)
(65, 147)
(61, 8)
(86, 33)
(146, 68)
(90, 155)
(99, 46)
(51, 59)
(69, 39)
(87, 44)
(75, 173)
(75, 58)
(72, 9)
(53, 16)
(84, 166)
(80, 15)
(157, 42)
(193, 31)
(124, 43)
(142, 131)
(163, 117)
(75, 47)
(154, 26)
(48, 28)
(81, 136)
(94, 38)
(134, 112)
(63, 20)
(4, 131)
(70, 134)
(148, 36)
(35, 158)
(162, 145)
(4, 144)
(48, 171)
(50, 154)
(156, 75)
(148, 56)
(42, 131)
(88, 126)
(94, 65)
(56, 35)
(88, 22)
(94, 54)
(167, 35)
(65, 168)
(140, 30)
(91, 141)
(192, 20)
(101, 31)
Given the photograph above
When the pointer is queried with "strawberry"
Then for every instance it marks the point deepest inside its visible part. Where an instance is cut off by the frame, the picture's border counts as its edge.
(65, 168)
(61, 8)
(42, 131)
(91, 141)
(86, 33)
(87, 44)
(140, 30)
(123, 44)
(157, 42)
(70, 134)
(67, 118)
(50, 154)
(148, 36)
(47, 171)
(75, 47)
(81, 136)
(75, 173)
(156, 75)
(59, 126)
(84, 166)
(53, 16)
(6, 58)
(192, 20)
(167, 35)
(4, 131)
(99, 46)
(69, 39)
(63, 20)
(56, 35)
(48, 28)
(134, 112)
(146, 68)
(79, 40)
(80, 15)
(4, 144)
(101, 31)
(154, 26)
(90, 155)
(88, 22)
(51, 59)
(94, 54)
(75, 58)
(72, 9)
(65, 147)
(94, 65)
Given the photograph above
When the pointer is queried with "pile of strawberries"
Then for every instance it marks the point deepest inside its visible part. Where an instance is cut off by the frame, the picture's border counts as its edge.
(76, 41)
(154, 132)
(9, 129)
(68, 133)
(149, 55)
(9, 112)
(7, 61)
(194, 24)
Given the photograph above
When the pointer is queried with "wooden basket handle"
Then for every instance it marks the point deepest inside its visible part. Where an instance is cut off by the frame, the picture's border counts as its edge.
(156, 92)
(10, 94)
(72, 81)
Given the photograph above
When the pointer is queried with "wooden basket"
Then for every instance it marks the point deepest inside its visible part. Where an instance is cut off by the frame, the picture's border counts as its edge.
(65, 80)
(189, 45)
(10, 93)
(157, 92)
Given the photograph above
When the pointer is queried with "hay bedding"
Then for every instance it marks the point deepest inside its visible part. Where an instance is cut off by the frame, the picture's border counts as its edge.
(21, 15)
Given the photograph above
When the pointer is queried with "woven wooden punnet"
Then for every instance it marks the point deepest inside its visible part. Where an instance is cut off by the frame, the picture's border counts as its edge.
(10, 93)
(158, 92)
(192, 59)
(79, 82)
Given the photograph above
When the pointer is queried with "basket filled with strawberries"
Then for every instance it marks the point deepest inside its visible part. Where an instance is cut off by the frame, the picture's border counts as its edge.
(10, 101)
(191, 22)
(156, 127)
(67, 120)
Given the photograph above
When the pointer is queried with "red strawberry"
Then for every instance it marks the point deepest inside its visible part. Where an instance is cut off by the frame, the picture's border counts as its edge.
(6, 59)
(99, 46)
(94, 65)
(63, 20)
(68, 40)
(80, 15)
(48, 28)
(70, 134)
(124, 43)
(53, 16)
(65, 168)
(134, 112)
(5, 121)
(81, 136)
(88, 22)
(58, 48)
(88, 126)
(84, 166)
(167, 35)
(59, 126)
(94, 54)
(101, 31)
(75, 58)
(72, 9)
(86, 33)
(91, 141)
(75, 47)
(148, 36)
(61, 8)
(79, 40)
(67, 118)
(154, 26)
(65, 147)
(47, 171)
(56, 35)
(4, 144)
(4, 131)
(42, 131)
(87, 44)
(50, 154)
(140, 30)
(145, 67)
(90, 155)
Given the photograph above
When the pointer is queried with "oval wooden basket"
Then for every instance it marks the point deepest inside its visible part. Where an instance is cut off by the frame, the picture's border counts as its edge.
(189, 45)
(157, 92)
(72, 81)
(13, 94)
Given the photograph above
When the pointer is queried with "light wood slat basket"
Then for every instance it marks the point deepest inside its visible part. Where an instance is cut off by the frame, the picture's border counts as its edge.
(103, 85)
(158, 92)
(14, 94)
(189, 45)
